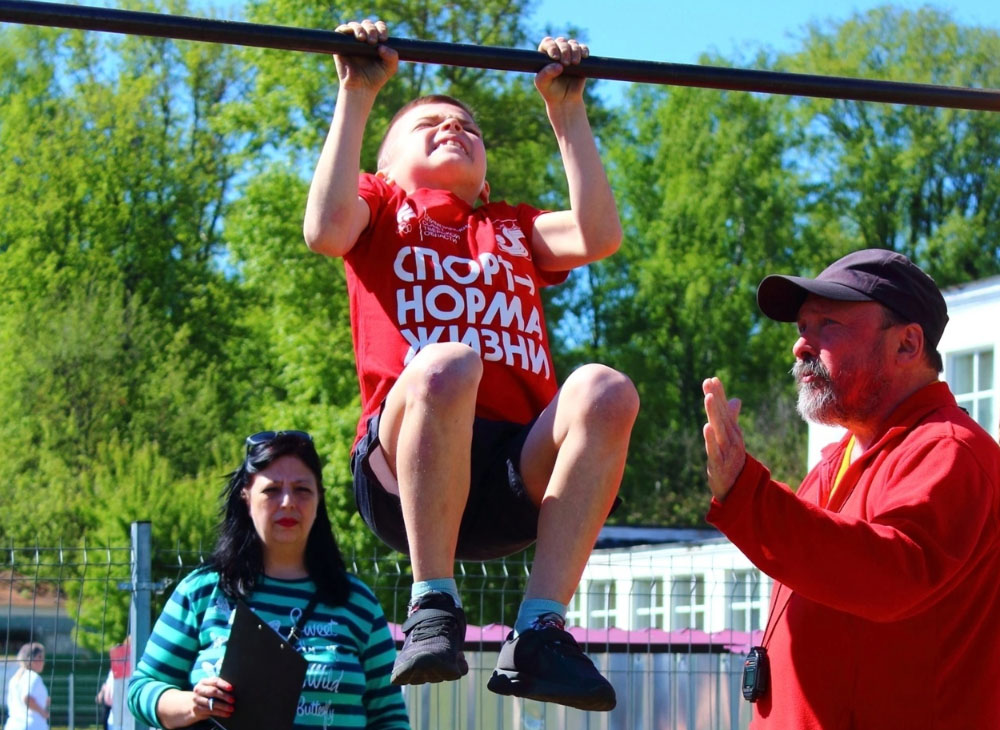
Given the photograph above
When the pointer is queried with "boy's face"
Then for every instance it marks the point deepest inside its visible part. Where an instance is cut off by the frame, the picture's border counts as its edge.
(437, 146)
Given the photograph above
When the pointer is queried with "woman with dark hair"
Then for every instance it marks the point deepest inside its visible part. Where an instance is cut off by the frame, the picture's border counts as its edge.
(276, 552)
(27, 697)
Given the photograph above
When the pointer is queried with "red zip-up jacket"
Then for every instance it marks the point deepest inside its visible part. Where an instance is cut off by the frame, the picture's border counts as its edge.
(885, 612)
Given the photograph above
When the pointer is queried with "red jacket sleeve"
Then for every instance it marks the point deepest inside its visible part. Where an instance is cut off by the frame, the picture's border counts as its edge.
(909, 531)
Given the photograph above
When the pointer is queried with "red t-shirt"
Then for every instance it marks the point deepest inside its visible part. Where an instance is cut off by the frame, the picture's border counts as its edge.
(430, 268)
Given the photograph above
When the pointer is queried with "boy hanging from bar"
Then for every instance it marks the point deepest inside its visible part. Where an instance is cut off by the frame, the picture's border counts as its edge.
(467, 448)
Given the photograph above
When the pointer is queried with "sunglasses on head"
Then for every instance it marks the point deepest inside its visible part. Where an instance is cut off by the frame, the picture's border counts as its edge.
(264, 437)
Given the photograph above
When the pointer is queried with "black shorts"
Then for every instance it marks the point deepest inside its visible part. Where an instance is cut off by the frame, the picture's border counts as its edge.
(499, 517)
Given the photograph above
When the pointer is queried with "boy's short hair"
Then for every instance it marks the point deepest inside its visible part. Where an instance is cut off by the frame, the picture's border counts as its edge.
(419, 101)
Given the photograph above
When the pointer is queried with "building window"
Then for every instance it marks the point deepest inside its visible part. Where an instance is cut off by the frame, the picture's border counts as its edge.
(574, 612)
(970, 376)
(601, 604)
(593, 605)
(649, 610)
(745, 602)
(687, 602)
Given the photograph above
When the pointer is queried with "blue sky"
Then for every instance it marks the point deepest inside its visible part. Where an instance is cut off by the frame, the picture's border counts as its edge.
(678, 32)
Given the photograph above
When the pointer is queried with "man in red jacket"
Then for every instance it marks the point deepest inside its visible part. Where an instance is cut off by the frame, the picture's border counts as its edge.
(885, 611)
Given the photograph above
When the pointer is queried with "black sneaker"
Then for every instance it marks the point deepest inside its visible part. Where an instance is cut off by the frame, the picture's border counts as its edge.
(432, 650)
(545, 663)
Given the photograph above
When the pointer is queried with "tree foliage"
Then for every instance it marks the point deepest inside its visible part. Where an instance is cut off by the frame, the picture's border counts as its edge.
(117, 325)
(710, 203)
(920, 180)
(157, 302)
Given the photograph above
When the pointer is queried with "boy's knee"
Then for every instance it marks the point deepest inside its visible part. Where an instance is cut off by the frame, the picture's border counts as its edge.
(445, 370)
(604, 393)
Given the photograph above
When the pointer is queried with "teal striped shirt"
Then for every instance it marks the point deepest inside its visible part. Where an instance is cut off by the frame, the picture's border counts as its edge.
(349, 650)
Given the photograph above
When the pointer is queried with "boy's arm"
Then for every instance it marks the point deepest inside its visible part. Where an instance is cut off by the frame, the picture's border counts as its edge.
(590, 229)
(335, 214)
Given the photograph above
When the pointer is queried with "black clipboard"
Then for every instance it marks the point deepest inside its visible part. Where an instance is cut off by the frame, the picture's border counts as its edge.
(266, 673)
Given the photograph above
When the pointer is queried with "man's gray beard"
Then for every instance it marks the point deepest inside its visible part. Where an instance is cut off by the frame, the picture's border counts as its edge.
(818, 405)
(817, 402)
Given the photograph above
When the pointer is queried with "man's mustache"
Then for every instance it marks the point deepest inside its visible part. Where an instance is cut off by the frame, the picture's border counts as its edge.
(810, 366)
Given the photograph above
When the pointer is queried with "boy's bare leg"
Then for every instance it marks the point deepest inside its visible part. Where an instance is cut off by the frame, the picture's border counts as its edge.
(572, 465)
(426, 434)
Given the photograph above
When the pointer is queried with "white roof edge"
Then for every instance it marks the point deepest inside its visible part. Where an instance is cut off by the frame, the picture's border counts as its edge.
(972, 292)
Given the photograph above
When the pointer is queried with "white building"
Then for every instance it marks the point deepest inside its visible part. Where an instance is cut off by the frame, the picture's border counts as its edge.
(702, 581)
(704, 584)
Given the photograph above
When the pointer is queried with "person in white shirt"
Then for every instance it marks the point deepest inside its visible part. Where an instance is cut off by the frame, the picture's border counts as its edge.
(27, 697)
(105, 700)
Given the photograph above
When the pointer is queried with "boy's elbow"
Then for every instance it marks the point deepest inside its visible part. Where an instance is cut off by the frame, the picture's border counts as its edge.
(334, 230)
(611, 240)
(600, 241)
(319, 239)
(313, 236)
(617, 236)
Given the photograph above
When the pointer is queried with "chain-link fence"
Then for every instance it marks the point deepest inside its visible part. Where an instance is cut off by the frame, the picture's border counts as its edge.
(92, 608)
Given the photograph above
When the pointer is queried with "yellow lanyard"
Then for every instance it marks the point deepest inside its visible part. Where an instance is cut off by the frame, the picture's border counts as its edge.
(845, 463)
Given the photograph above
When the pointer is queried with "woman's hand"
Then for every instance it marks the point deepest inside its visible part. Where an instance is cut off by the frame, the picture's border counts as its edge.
(211, 697)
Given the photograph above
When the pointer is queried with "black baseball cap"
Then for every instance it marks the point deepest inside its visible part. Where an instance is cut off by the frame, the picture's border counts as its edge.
(870, 275)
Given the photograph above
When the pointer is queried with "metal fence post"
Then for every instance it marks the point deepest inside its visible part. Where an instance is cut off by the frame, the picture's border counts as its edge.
(141, 605)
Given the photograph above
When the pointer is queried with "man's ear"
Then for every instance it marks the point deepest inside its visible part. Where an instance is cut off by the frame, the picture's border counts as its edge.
(911, 342)
(484, 194)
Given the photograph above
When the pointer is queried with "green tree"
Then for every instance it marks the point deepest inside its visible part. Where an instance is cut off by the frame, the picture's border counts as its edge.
(136, 482)
(709, 201)
(919, 180)
(116, 318)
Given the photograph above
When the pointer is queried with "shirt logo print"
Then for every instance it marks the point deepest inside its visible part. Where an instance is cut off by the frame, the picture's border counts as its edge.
(512, 240)
(430, 228)
(406, 216)
(404, 219)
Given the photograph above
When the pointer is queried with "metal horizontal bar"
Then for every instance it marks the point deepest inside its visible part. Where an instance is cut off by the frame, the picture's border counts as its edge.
(503, 59)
